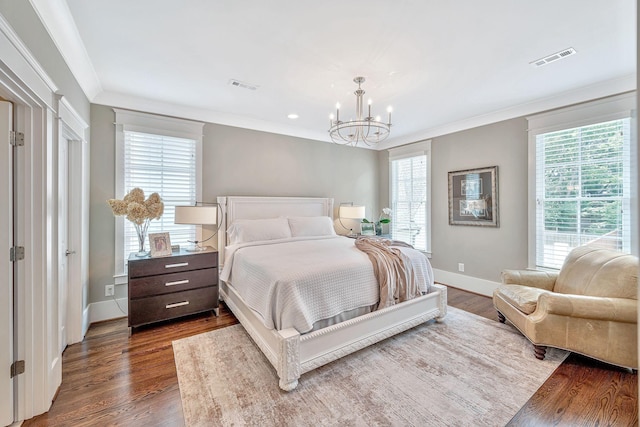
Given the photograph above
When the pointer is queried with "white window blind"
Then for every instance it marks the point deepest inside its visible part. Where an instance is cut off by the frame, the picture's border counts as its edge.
(410, 195)
(157, 154)
(166, 165)
(583, 188)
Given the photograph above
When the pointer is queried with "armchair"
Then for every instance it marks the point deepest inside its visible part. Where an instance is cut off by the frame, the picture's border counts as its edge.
(588, 307)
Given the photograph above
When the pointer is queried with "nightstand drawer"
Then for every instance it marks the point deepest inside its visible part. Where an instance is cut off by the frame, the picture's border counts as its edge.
(174, 282)
(172, 264)
(169, 306)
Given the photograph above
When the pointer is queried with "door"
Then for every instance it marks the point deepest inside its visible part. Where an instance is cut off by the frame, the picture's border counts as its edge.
(63, 246)
(6, 266)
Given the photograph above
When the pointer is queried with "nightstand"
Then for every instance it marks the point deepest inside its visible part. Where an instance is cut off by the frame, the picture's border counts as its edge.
(169, 287)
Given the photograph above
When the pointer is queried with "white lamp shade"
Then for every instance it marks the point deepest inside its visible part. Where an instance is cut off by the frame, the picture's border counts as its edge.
(352, 212)
(199, 215)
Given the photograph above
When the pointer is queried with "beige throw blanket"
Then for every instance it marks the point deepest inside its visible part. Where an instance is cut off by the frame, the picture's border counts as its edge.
(393, 269)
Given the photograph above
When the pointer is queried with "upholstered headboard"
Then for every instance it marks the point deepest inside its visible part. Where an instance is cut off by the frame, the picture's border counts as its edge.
(241, 207)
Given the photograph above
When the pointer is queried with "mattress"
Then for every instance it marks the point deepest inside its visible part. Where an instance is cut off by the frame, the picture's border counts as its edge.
(307, 283)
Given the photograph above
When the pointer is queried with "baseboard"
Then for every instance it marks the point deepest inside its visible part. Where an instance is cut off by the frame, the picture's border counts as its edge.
(107, 310)
(85, 320)
(466, 283)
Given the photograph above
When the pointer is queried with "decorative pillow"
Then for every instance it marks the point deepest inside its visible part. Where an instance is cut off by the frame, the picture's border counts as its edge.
(311, 226)
(252, 230)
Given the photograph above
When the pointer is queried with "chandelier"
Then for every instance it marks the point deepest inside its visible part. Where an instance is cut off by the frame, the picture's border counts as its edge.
(368, 130)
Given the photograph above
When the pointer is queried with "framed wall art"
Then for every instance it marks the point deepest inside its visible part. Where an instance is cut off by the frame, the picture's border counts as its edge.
(160, 244)
(473, 197)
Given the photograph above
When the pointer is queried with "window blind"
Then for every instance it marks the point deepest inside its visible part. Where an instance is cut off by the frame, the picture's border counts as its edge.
(582, 190)
(166, 165)
(409, 200)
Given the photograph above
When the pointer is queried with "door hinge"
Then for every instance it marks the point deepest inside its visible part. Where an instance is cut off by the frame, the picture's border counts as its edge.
(16, 138)
(16, 253)
(17, 368)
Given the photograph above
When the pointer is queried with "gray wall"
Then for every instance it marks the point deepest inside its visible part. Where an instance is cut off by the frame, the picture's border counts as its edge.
(236, 162)
(484, 251)
(29, 28)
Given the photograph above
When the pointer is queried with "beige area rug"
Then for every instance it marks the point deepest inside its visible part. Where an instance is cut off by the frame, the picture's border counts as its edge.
(466, 371)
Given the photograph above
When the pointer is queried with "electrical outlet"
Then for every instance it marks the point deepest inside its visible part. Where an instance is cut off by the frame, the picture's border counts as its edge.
(109, 290)
(461, 267)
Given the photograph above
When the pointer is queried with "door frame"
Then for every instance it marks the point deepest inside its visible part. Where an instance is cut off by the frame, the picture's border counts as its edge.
(38, 106)
(73, 129)
(7, 390)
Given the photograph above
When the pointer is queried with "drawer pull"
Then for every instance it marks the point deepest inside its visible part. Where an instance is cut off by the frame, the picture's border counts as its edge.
(177, 282)
(180, 264)
(177, 304)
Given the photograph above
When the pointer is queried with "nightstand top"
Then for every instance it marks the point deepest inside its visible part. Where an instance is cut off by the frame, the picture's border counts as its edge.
(181, 252)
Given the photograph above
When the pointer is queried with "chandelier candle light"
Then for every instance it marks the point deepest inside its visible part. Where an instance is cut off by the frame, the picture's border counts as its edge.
(367, 129)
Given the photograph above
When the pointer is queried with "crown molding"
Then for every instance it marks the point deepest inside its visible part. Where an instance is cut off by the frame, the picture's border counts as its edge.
(575, 96)
(58, 21)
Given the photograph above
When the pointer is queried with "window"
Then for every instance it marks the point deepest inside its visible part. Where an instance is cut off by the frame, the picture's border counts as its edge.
(410, 192)
(582, 187)
(159, 155)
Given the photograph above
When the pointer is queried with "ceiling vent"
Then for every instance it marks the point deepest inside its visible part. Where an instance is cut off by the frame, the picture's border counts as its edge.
(238, 83)
(553, 57)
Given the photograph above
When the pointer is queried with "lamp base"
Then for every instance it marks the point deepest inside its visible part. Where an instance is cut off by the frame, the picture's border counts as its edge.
(196, 248)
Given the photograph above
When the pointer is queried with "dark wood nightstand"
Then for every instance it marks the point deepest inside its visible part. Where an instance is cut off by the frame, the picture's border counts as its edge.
(169, 287)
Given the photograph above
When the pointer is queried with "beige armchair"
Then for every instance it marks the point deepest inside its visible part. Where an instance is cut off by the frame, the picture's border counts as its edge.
(588, 307)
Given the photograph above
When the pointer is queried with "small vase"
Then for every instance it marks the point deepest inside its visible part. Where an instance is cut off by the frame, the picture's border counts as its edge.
(141, 231)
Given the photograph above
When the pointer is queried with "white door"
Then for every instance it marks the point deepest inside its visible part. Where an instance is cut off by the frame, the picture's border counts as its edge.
(6, 266)
(63, 246)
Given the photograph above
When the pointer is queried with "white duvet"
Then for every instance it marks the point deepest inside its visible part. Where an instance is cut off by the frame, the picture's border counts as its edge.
(296, 282)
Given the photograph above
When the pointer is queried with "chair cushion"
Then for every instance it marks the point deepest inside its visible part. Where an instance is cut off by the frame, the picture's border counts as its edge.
(524, 298)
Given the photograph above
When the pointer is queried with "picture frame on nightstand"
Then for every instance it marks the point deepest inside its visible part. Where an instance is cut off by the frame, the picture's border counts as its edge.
(368, 229)
(160, 244)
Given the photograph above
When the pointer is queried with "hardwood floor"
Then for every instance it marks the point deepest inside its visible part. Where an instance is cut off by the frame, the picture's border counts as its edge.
(113, 379)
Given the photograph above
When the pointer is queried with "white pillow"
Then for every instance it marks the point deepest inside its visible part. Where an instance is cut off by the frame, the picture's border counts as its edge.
(311, 226)
(252, 230)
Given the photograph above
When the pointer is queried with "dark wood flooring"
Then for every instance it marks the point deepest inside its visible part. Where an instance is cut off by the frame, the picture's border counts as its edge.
(112, 378)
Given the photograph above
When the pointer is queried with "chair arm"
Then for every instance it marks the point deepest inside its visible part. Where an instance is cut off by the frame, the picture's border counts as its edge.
(532, 278)
(623, 310)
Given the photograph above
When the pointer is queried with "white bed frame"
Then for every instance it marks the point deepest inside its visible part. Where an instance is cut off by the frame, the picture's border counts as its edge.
(291, 353)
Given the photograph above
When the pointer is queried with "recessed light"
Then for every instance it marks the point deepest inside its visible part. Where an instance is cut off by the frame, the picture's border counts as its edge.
(293, 116)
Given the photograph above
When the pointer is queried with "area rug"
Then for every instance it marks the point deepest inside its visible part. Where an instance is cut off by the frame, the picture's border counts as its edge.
(466, 371)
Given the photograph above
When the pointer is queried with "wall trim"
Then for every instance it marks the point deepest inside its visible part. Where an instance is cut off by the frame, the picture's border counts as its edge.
(570, 97)
(466, 283)
(107, 310)
(58, 21)
(85, 320)
(19, 59)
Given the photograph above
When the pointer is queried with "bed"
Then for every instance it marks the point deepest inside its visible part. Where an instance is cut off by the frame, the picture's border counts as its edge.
(297, 340)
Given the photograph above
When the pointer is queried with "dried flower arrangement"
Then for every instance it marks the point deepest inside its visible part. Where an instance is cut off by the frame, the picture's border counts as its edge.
(139, 211)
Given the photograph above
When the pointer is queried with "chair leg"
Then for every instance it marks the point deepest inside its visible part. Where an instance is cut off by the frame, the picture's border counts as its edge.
(501, 317)
(540, 351)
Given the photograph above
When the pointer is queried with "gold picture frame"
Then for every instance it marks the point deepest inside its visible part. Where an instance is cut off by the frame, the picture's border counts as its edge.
(160, 244)
(473, 197)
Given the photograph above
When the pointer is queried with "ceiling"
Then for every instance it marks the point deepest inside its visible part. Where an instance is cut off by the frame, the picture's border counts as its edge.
(443, 65)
